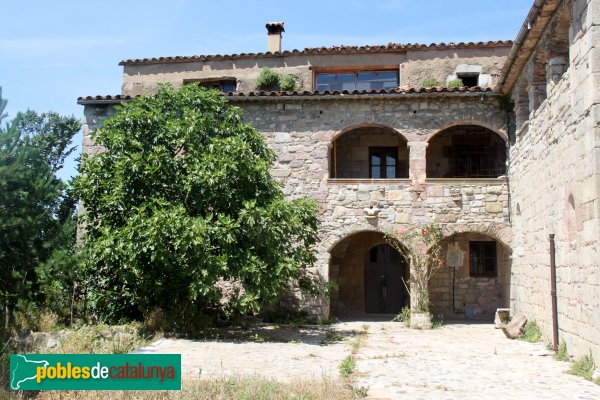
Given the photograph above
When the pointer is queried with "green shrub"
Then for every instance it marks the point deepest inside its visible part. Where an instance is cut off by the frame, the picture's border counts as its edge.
(584, 367)
(532, 332)
(404, 316)
(562, 354)
(267, 79)
(347, 366)
(455, 83)
(287, 83)
(431, 82)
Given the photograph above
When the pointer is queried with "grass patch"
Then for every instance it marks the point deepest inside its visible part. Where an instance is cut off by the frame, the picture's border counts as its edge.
(584, 367)
(239, 388)
(562, 354)
(403, 316)
(331, 336)
(102, 339)
(347, 366)
(437, 321)
(532, 332)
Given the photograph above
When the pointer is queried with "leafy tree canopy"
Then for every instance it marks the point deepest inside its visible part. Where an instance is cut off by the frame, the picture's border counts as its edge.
(182, 213)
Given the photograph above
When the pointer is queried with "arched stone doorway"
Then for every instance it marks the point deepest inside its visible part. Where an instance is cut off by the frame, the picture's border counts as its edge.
(386, 272)
(368, 275)
(476, 278)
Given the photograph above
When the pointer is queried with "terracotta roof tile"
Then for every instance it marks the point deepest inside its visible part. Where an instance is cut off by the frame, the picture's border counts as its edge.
(388, 48)
(315, 93)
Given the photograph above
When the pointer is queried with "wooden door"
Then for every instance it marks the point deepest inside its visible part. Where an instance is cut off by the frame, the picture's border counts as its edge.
(385, 292)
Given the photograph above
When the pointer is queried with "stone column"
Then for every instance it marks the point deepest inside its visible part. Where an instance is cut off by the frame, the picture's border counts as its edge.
(417, 165)
(556, 67)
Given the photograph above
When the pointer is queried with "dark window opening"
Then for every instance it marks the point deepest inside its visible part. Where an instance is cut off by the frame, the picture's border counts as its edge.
(469, 80)
(383, 162)
(367, 80)
(222, 85)
(466, 152)
(482, 259)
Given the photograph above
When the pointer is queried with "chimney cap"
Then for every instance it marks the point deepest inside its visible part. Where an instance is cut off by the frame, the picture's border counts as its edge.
(275, 28)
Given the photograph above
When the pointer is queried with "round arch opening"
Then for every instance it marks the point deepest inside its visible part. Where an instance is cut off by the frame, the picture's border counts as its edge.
(466, 151)
(369, 151)
(369, 276)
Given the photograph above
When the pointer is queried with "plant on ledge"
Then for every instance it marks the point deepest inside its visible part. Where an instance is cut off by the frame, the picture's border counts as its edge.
(421, 248)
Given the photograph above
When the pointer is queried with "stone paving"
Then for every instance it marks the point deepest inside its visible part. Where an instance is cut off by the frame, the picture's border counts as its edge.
(456, 361)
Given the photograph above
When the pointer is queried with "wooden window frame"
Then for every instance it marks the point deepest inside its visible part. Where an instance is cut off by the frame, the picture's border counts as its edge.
(481, 273)
(353, 70)
(386, 150)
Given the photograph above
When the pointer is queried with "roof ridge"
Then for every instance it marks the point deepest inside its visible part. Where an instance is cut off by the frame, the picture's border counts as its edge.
(323, 50)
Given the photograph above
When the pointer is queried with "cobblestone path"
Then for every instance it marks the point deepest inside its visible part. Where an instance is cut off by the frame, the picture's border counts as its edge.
(456, 361)
(460, 361)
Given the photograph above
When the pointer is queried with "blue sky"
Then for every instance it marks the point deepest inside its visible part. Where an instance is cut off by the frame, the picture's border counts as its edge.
(52, 52)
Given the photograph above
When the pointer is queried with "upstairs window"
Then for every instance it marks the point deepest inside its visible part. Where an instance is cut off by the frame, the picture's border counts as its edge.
(469, 80)
(383, 162)
(221, 84)
(360, 80)
(482, 259)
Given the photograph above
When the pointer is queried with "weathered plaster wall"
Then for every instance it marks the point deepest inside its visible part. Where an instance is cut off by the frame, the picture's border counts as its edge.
(414, 67)
(555, 188)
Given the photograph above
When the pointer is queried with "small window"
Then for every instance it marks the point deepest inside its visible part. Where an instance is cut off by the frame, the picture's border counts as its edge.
(482, 259)
(222, 85)
(365, 80)
(383, 162)
(469, 80)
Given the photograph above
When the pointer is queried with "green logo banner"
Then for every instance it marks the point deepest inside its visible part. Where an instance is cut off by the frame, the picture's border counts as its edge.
(95, 371)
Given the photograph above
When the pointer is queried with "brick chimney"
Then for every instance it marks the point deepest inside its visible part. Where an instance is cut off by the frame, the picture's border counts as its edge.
(274, 36)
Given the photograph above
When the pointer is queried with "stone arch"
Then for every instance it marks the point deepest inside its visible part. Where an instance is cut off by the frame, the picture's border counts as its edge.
(466, 151)
(501, 233)
(476, 280)
(345, 232)
(368, 151)
(499, 131)
(368, 274)
(366, 124)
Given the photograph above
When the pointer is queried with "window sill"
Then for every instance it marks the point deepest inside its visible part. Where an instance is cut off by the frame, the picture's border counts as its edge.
(351, 181)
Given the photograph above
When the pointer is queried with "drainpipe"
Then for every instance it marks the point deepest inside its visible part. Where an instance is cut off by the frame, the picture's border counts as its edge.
(553, 292)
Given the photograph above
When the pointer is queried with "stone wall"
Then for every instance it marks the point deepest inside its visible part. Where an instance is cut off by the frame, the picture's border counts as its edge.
(454, 293)
(301, 132)
(555, 188)
(414, 67)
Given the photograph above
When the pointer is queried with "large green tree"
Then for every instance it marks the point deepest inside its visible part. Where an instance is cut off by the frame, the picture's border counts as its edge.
(183, 215)
(36, 209)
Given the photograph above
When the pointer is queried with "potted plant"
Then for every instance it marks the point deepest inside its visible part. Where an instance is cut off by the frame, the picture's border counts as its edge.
(420, 246)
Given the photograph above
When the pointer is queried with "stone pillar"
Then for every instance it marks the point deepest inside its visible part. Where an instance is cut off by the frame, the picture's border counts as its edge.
(556, 67)
(521, 101)
(417, 164)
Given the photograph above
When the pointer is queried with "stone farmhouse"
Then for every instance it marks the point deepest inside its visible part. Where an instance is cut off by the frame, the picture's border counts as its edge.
(501, 163)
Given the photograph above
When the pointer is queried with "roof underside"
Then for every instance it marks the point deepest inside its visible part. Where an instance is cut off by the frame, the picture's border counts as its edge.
(527, 39)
